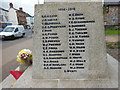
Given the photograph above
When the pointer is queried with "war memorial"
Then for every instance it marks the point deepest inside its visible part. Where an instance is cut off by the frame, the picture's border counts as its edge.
(69, 48)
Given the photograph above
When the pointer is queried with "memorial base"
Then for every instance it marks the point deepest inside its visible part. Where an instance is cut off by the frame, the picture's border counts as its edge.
(26, 80)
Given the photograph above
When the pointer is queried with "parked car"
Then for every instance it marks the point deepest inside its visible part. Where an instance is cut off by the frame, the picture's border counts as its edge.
(12, 31)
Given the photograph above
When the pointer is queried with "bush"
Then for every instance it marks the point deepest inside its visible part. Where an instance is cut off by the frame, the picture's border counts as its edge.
(113, 45)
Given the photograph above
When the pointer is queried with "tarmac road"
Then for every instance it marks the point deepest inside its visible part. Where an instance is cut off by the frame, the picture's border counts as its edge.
(8, 52)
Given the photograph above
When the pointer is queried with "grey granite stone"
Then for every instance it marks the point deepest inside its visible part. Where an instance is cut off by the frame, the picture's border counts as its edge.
(71, 23)
(100, 70)
(58, 1)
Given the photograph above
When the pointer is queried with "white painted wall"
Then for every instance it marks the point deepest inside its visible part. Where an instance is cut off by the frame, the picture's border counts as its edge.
(30, 20)
(12, 16)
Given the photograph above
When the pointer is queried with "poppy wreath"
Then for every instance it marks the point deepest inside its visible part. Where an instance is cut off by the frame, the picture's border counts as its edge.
(24, 56)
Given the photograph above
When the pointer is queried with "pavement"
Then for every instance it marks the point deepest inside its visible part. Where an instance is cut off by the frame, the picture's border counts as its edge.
(8, 53)
(112, 38)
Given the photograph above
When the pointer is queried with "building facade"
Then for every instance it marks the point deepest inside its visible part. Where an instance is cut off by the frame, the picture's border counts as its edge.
(4, 20)
(13, 16)
(112, 13)
(21, 16)
(30, 21)
(17, 17)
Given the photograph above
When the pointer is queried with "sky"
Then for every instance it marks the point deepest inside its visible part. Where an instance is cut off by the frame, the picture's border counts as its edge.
(27, 5)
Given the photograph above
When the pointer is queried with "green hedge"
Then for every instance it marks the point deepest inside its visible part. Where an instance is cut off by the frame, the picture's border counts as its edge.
(112, 32)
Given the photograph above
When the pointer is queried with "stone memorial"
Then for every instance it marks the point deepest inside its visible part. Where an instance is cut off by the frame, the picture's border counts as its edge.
(69, 41)
(69, 48)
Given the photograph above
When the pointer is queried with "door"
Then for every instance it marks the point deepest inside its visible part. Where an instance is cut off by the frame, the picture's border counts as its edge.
(17, 32)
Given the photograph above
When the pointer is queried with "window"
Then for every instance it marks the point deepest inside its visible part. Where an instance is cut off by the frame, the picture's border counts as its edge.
(8, 29)
(106, 9)
(16, 30)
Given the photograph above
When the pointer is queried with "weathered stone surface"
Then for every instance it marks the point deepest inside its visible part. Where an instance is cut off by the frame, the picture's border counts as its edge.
(7, 83)
(56, 1)
(98, 71)
(70, 35)
(26, 81)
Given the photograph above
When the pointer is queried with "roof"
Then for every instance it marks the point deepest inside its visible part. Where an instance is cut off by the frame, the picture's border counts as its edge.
(3, 9)
(28, 15)
(18, 10)
(15, 9)
(112, 3)
(21, 11)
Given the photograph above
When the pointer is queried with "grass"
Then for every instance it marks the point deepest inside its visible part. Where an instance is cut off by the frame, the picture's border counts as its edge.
(112, 32)
(113, 45)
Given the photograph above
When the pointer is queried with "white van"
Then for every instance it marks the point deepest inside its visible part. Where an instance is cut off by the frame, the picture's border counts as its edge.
(12, 31)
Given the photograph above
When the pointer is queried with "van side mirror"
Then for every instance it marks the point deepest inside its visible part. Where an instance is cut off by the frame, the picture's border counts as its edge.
(16, 30)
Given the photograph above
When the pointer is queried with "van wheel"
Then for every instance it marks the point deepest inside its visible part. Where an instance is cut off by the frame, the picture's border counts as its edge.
(23, 34)
(3, 39)
(13, 37)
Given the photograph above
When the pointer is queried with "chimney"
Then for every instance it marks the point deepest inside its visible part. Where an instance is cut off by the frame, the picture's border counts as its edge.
(21, 9)
(11, 5)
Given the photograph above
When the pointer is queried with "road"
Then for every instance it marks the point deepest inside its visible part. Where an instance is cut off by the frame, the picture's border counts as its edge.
(9, 50)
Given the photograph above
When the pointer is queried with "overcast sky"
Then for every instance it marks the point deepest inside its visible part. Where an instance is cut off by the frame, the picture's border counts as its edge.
(28, 5)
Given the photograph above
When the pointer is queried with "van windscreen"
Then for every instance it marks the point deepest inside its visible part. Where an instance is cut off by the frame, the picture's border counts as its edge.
(8, 29)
